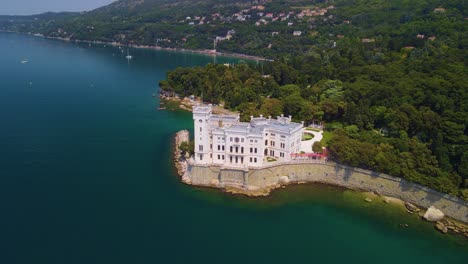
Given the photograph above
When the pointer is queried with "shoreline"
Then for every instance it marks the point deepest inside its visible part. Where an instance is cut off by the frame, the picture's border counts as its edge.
(191, 175)
(150, 47)
(186, 104)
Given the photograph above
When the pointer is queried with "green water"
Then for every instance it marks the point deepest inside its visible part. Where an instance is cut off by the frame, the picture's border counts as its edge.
(86, 177)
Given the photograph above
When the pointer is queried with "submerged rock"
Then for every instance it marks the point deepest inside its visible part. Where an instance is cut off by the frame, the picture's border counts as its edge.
(411, 208)
(433, 214)
(441, 227)
(369, 200)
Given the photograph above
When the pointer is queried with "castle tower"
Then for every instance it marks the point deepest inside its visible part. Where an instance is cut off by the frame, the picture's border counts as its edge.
(201, 119)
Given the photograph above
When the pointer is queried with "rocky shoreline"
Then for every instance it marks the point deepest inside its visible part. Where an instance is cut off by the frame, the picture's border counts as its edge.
(179, 160)
(187, 104)
(442, 223)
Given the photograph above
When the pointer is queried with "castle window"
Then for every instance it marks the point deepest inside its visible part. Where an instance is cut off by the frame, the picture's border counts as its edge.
(201, 156)
(219, 156)
(242, 149)
(255, 160)
(242, 140)
(266, 142)
(200, 147)
(222, 147)
(251, 150)
(211, 146)
(237, 149)
(230, 139)
(200, 129)
(219, 147)
(237, 140)
(230, 148)
(223, 157)
(255, 150)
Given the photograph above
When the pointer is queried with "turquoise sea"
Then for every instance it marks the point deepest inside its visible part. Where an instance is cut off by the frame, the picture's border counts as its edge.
(86, 177)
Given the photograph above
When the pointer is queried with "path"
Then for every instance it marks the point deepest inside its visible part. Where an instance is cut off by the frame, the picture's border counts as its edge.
(306, 146)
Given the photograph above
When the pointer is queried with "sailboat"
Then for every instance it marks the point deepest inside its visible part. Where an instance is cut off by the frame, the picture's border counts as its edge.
(128, 57)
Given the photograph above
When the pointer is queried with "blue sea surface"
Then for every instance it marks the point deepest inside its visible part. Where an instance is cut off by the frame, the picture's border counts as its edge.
(86, 177)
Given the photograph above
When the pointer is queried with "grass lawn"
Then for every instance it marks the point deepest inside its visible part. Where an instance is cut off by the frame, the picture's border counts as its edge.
(312, 129)
(307, 137)
(326, 137)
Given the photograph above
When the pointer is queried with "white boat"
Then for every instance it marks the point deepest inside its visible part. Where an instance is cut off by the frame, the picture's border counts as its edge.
(24, 61)
(128, 57)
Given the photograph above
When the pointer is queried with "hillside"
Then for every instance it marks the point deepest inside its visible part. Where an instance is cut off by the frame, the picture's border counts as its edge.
(265, 27)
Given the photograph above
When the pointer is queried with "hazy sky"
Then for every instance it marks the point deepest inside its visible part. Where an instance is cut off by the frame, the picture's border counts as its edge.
(29, 7)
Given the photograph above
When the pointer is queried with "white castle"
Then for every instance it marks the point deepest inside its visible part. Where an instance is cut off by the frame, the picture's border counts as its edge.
(224, 140)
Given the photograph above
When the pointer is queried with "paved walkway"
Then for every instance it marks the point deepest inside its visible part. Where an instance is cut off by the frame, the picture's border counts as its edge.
(306, 146)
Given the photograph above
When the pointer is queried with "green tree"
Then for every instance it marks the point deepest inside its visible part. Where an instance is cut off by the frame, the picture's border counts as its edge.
(317, 147)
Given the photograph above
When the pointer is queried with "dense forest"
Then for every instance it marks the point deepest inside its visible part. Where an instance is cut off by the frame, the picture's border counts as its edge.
(386, 77)
(398, 105)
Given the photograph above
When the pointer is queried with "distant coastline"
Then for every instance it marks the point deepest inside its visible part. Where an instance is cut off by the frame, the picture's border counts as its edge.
(150, 47)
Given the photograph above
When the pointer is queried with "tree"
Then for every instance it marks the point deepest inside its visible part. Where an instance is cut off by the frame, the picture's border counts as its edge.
(187, 147)
(317, 147)
(271, 107)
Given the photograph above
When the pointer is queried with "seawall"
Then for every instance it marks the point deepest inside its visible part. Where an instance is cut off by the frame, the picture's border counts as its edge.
(257, 180)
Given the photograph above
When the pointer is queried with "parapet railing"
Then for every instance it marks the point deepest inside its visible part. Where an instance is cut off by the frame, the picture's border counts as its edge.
(264, 166)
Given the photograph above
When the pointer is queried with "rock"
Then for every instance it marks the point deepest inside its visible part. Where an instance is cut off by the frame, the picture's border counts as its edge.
(186, 179)
(369, 200)
(284, 179)
(386, 200)
(433, 214)
(214, 182)
(441, 227)
(412, 208)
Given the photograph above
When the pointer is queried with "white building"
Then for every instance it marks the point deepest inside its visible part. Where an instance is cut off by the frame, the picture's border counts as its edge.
(224, 140)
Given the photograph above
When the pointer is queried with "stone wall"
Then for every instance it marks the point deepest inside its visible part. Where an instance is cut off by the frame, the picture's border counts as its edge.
(331, 173)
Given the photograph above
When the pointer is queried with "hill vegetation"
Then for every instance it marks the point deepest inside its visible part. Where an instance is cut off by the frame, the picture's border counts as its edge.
(269, 28)
(387, 78)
